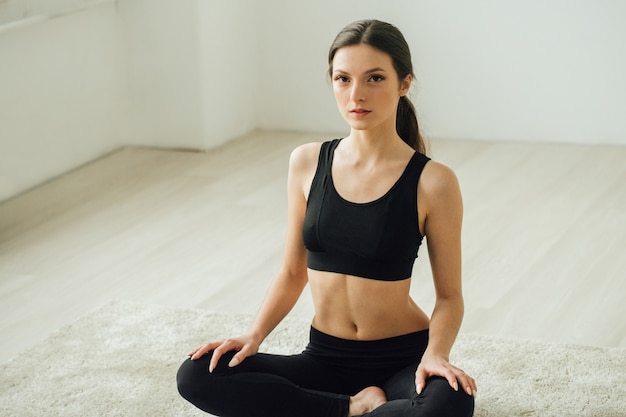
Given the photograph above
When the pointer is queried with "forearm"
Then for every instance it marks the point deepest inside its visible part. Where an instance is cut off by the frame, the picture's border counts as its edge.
(444, 325)
(280, 299)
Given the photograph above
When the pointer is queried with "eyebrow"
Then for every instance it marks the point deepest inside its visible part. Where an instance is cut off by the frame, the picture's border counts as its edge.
(377, 69)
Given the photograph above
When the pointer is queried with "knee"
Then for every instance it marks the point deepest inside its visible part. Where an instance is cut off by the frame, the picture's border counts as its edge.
(188, 379)
(192, 378)
(202, 388)
(440, 399)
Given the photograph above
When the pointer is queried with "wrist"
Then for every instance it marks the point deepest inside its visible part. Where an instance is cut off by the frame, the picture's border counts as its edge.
(432, 354)
(256, 336)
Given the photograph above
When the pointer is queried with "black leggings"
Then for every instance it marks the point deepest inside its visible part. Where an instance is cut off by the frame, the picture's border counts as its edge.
(320, 380)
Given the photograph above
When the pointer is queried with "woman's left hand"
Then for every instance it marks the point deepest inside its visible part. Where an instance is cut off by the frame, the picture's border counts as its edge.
(439, 366)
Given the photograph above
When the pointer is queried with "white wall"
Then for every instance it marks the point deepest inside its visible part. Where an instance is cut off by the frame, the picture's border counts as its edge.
(14, 11)
(192, 78)
(539, 70)
(295, 93)
(195, 73)
(533, 70)
(60, 83)
(229, 53)
(162, 98)
(159, 73)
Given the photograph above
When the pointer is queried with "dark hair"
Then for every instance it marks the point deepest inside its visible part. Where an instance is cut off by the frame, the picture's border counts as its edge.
(387, 38)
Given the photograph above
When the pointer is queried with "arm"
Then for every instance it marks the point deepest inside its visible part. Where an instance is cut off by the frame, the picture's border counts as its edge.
(288, 284)
(292, 277)
(443, 207)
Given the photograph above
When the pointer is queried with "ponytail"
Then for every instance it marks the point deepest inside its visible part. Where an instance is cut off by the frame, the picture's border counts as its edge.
(407, 126)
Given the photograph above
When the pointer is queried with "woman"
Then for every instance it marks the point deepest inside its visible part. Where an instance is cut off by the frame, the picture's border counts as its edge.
(358, 209)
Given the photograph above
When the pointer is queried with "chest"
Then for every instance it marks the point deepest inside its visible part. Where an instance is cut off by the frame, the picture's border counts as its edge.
(382, 228)
(362, 184)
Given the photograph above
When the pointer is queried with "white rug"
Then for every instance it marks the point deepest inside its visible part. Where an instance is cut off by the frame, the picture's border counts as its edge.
(121, 360)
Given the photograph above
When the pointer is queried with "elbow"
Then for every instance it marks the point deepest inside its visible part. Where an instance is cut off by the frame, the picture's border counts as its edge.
(453, 301)
(297, 275)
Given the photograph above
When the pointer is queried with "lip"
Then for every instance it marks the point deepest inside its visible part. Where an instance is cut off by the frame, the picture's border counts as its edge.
(359, 112)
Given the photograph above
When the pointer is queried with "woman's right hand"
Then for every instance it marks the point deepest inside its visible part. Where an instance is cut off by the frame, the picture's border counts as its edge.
(245, 346)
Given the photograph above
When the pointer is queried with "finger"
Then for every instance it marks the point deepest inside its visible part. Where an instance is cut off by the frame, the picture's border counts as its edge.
(240, 356)
(196, 350)
(193, 352)
(467, 386)
(199, 352)
(225, 346)
(236, 360)
(467, 382)
(451, 377)
(473, 385)
(462, 380)
(217, 354)
(420, 380)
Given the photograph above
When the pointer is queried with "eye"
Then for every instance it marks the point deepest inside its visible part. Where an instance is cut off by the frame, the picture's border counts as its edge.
(377, 78)
(341, 78)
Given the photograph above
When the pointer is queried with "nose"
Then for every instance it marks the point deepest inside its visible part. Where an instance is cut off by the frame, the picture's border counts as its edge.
(357, 93)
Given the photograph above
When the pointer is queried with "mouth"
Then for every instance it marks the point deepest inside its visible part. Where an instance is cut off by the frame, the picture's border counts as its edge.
(360, 112)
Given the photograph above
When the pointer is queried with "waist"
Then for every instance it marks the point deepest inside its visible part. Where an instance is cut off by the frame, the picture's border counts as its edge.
(363, 309)
(388, 351)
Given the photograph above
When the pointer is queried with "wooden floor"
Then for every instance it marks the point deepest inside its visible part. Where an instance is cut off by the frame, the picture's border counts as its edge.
(544, 237)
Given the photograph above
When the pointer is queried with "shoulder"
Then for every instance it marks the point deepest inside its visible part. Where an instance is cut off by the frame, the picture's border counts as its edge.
(305, 156)
(439, 184)
(302, 168)
(436, 176)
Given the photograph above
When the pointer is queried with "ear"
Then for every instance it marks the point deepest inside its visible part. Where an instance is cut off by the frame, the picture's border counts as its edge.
(405, 85)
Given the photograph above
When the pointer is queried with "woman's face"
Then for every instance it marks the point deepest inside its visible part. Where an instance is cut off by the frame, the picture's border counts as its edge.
(366, 87)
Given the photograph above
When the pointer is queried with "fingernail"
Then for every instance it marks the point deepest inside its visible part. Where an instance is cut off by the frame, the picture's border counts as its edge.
(468, 390)
(418, 388)
(455, 386)
(233, 362)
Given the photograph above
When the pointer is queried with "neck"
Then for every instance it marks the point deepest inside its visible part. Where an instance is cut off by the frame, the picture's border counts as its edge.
(376, 144)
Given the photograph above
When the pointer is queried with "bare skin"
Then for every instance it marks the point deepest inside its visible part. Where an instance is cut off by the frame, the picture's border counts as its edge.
(366, 164)
(366, 401)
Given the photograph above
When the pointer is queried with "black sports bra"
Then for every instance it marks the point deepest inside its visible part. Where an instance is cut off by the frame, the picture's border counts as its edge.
(377, 240)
